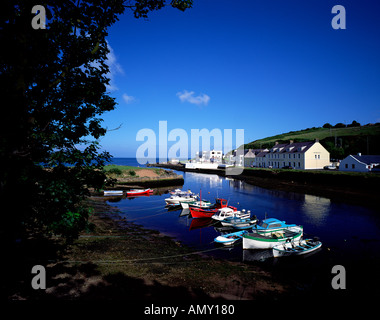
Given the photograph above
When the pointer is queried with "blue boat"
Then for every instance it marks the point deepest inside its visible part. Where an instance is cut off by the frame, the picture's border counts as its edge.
(271, 225)
(230, 238)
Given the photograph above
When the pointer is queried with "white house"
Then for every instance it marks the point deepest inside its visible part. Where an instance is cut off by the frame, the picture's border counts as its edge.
(299, 155)
(359, 163)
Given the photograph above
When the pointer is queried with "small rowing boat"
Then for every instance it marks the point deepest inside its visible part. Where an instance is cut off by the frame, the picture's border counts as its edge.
(296, 248)
(230, 238)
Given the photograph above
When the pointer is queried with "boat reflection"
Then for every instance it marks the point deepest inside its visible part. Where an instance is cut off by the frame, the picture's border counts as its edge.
(250, 255)
(201, 223)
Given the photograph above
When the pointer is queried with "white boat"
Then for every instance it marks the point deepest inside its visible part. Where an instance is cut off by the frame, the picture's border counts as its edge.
(224, 213)
(296, 248)
(204, 204)
(267, 240)
(179, 199)
(108, 193)
(230, 238)
(179, 192)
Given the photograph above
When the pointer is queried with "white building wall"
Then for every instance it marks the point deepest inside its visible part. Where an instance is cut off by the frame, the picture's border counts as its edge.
(351, 164)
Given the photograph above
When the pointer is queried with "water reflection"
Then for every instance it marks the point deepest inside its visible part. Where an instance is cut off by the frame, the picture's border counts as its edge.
(343, 228)
(206, 181)
(316, 209)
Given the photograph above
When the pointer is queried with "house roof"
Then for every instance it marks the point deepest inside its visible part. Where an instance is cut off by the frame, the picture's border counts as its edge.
(367, 159)
(252, 153)
(294, 147)
(299, 147)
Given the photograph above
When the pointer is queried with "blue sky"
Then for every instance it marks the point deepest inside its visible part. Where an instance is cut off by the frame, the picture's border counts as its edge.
(267, 67)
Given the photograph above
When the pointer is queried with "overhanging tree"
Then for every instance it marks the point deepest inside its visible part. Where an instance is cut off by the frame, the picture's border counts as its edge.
(53, 86)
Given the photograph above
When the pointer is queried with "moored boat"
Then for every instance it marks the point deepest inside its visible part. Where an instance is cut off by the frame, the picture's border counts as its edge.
(139, 192)
(271, 225)
(296, 248)
(208, 213)
(230, 238)
(267, 240)
(204, 204)
(113, 193)
(178, 199)
(224, 213)
(239, 223)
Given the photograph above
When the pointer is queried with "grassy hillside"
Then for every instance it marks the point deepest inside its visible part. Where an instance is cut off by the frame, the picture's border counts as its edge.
(340, 142)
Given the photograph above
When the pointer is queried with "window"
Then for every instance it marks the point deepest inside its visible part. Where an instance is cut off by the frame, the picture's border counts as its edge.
(319, 156)
(299, 164)
(299, 156)
(353, 166)
(346, 166)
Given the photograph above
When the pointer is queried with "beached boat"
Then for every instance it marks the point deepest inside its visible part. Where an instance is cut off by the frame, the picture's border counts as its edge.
(224, 213)
(267, 240)
(230, 238)
(296, 248)
(108, 193)
(139, 192)
(208, 213)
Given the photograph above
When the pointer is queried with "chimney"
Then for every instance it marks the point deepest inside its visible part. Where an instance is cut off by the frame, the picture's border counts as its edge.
(291, 141)
(276, 143)
(316, 140)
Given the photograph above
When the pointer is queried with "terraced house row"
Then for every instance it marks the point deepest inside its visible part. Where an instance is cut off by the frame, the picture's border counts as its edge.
(299, 155)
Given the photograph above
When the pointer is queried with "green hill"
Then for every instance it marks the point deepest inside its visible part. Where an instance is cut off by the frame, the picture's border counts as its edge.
(340, 142)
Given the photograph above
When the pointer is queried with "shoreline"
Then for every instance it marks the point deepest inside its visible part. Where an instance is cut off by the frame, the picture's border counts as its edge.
(121, 260)
(353, 189)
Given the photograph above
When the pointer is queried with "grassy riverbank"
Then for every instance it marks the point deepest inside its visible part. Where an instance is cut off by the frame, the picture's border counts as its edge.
(128, 176)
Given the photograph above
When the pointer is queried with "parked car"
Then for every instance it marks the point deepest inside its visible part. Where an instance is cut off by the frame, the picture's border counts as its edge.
(330, 167)
(287, 167)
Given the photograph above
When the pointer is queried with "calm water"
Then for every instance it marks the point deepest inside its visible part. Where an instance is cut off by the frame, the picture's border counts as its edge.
(350, 234)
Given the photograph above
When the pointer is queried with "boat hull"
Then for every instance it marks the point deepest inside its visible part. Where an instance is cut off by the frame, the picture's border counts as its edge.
(178, 201)
(229, 239)
(296, 249)
(201, 213)
(259, 241)
(113, 192)
(139, 192)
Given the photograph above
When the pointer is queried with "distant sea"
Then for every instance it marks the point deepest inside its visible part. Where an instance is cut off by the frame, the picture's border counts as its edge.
(129, 162)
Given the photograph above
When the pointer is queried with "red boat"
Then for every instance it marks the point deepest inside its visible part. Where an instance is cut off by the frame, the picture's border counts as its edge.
(208, 213)
(139, 192)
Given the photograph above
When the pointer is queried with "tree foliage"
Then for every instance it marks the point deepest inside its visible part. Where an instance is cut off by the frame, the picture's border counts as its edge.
(53, 83)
